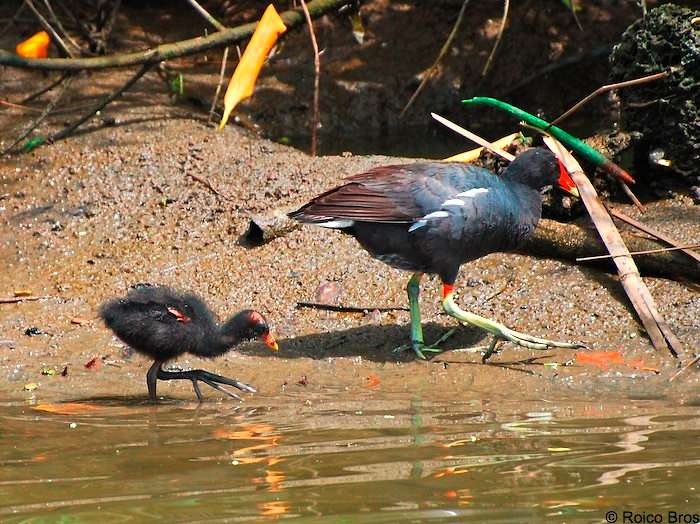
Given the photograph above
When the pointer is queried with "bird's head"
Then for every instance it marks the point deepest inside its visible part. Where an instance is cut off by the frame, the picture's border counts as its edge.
(539, 168)
(253, 325)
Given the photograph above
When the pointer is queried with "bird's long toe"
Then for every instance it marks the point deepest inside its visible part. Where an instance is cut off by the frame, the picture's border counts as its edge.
(219, 388)
(206, 376)
(530, 342)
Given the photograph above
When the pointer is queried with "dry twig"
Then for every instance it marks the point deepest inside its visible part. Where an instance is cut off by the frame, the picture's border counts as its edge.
(554, 239)
(653, 232)
(207, 16)
(291, 18)
(11, 22)
(208, 185)
(504, 20)
(46, 89)
(443, 51)
(473, 137)
(645, 252)
(49, 29)
(605, 89)
(38, 120)
(317, 79)
(58, 23)
(222, 72)
(685, 368)
(100, 105)
(347, 309)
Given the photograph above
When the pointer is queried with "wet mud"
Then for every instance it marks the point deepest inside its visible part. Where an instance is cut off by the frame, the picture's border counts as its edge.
(88, 217)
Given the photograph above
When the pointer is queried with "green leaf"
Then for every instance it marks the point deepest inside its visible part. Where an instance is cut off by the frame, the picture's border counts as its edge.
(33, 143)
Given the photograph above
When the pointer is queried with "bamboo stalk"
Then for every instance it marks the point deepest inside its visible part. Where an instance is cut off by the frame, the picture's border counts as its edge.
(659, 332)
(473, 137)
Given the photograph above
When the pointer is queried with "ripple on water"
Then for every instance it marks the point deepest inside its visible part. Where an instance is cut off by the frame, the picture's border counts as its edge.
(377, 459)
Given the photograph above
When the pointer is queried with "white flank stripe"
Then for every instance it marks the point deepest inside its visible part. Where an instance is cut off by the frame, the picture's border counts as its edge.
(417, 225)
(337, 224)
(473, 192)
(436, 214)
(453, 202)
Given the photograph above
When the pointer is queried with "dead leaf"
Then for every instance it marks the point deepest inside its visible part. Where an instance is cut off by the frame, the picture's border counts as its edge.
(599, 359)
(67, 408)
(242, 82)
(473, 154)
(80, 321)
(23, 293)
(373, 381)
(36, 46)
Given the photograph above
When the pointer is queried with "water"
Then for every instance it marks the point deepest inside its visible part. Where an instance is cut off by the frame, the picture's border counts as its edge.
(375, 459)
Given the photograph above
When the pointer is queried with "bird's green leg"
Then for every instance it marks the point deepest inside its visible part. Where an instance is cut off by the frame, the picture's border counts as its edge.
(413, 290)
(417, 342)
(498, 330)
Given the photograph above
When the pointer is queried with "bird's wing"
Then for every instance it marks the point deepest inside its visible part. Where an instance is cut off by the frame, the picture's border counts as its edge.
(382, 194)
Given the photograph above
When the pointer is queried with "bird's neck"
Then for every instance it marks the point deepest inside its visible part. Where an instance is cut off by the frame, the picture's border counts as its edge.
(229, 334)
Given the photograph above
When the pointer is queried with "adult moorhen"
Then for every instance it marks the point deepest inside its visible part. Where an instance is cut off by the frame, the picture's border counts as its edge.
(163, 324)
(432, 217)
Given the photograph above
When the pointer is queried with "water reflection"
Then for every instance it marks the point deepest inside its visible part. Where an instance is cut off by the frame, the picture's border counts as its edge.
(373, 459)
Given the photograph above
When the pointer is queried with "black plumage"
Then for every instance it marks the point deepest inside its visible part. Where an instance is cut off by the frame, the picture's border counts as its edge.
(386, 205)
(432, 217)
(163, 324)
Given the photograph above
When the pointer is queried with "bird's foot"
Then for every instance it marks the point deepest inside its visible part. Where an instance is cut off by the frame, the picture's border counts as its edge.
(500, 331)
(211, 379)
(528, 341)
(419, 348)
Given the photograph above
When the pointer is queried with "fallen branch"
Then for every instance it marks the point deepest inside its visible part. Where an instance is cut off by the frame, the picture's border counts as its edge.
(659, 332)
(291, 18)
(347, 309)
(473, 154)
(264, 228)
(317, 79)
(443, 51)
